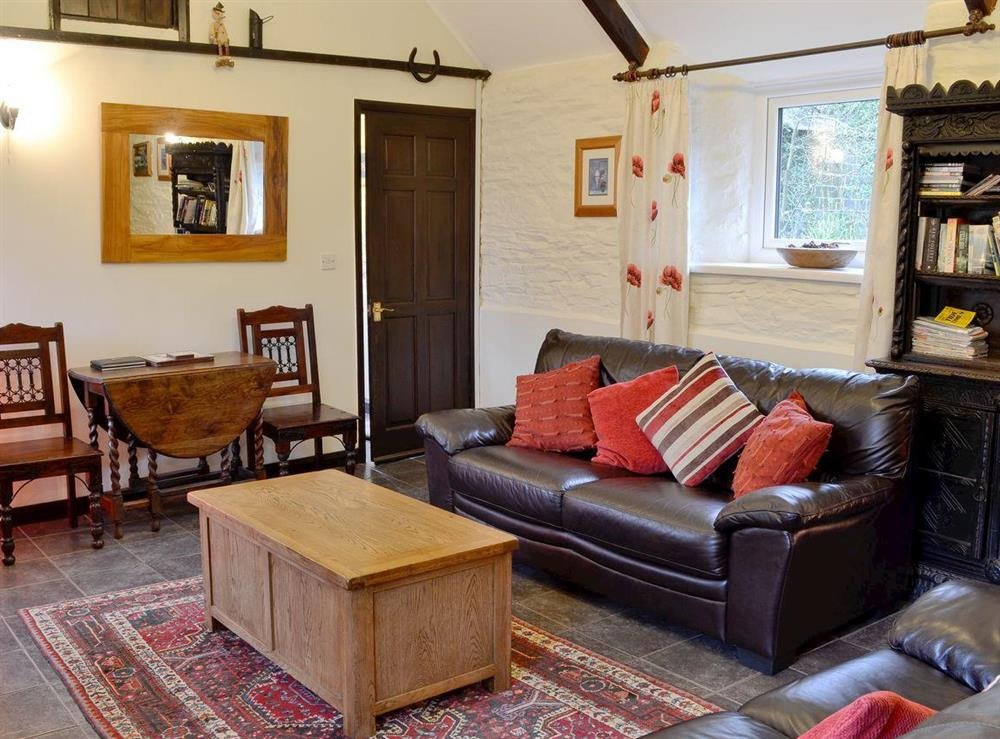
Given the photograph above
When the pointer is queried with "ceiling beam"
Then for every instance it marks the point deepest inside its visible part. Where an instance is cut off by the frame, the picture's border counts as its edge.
(985, 7)
(622, 32)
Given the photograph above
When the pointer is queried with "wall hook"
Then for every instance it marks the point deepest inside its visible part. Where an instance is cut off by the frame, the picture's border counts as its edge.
(417, 75)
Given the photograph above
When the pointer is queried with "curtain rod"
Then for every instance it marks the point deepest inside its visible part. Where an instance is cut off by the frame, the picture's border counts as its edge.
(975, 25)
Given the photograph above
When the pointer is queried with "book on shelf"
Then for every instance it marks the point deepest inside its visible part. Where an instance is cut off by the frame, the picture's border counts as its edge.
(167, 359)
(932, 337)
(990, 183)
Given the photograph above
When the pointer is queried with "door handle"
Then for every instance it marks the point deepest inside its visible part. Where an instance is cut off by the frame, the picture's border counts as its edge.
(378, 310)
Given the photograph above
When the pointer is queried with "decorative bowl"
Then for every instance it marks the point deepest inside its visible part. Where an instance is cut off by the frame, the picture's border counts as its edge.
(817, 257)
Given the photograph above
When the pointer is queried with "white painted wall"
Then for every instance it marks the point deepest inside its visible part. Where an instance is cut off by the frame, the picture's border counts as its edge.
(542, 268)
(50, 268)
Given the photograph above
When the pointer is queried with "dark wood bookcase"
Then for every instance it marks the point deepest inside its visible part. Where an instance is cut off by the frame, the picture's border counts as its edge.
(955, 476)
(207, 164)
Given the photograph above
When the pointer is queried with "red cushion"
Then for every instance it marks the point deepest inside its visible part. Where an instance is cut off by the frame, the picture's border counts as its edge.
(879, 715)
(552, 413)
(620, 441)
(700, 422)
(784, 449)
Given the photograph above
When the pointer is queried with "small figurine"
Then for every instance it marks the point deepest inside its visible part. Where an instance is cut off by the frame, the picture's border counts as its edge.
(218, 35)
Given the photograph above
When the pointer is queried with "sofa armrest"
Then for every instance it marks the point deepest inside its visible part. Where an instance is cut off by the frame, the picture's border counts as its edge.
(467, 428)
(799, 506)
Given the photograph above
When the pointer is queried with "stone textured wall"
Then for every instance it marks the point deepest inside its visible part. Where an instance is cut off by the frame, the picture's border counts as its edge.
(151, 202)
(539, 261)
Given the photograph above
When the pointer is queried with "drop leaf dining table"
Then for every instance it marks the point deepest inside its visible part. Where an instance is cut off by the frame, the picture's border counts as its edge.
(184, 411)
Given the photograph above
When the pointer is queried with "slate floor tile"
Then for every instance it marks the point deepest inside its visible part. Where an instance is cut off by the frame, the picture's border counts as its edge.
(571, 607)
(25, 550)
(18, 672)
(834, 653)
(160, 548)
(744, 690)
(179, 568)
(28, 572)
(635, 633)
(25, 596)
(8, 642)
(703, 660)
(873, 636)
(30, 712)
(74, 540)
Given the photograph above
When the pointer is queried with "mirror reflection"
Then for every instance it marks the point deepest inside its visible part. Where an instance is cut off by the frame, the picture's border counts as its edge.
(189, 185)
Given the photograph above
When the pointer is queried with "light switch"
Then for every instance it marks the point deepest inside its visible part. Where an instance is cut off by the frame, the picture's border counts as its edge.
(328, 261)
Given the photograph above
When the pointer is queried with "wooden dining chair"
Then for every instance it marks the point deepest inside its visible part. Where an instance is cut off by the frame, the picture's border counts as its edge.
(28, 377)
(288, 336)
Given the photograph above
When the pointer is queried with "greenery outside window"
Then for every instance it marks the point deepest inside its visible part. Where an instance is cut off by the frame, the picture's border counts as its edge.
(819, 168)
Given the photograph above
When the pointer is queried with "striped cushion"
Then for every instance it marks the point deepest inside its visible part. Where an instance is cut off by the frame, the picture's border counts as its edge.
(699, 423)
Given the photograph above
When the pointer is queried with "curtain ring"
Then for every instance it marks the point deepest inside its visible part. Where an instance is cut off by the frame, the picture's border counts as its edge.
(684, 70)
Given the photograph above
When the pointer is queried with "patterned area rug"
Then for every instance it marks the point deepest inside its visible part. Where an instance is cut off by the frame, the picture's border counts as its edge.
(141, 664)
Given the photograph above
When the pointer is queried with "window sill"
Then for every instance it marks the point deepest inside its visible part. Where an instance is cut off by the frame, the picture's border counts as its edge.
(849, 275)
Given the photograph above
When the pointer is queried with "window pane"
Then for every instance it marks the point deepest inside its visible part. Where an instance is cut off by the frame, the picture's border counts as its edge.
(826, 157)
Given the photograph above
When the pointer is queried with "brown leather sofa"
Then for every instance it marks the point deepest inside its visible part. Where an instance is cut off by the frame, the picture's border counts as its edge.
(943, 650)
(767, 572)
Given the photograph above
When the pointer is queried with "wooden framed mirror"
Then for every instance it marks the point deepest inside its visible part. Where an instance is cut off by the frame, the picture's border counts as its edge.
(182, 185)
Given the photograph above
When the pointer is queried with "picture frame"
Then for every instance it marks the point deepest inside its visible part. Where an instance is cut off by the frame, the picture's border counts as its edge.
(140, 159)
(595, 188)
(163, 163)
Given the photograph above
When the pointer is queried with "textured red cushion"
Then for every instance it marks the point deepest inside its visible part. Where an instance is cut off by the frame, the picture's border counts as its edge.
(785, 448)
(879, 715)
(620, 441)
(552, 412)
(700, 422)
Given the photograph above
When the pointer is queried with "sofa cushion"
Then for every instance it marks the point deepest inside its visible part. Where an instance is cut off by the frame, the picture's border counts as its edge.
(552, 411)
(977, 717)
(523, 482)
(699, 423)
(872, 415)
(795, 708)
(784, 449)
(955, 628)
(620, 441)
(653, 519)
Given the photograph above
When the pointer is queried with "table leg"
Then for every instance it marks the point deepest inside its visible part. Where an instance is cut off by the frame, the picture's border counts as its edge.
(7, 521)
(350, 450)
(237, 463)
(282, 449)
(153, 492)
(117, 505)
(91, 424)
(258, 447)
(226, 465)
(133, 462)
(359, 692)
(501, 620)
(318, 453)
(94, 484)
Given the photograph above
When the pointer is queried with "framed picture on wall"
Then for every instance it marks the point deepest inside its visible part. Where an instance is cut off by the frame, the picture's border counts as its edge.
(140, 159)
(596, 186)
(162, 159)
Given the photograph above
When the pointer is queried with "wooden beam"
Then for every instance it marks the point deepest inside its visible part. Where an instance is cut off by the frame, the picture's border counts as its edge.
(620, 29)
(241, 52)
(986, 7)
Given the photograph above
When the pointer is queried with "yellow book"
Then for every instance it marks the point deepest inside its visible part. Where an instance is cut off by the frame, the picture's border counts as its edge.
(955, 317)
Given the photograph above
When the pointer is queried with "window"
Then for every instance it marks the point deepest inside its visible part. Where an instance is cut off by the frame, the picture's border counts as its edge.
(151, 13)
(819, 166)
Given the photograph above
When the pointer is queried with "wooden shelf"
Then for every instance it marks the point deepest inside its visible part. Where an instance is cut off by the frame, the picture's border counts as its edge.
(208, 195)
(950, 279)
(987, 369)
(962, 200)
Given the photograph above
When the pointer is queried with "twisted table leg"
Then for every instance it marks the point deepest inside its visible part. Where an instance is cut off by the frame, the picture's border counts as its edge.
(226, 465)
(94, 484)
(153, 491)
(117, 506)
(133, 462)
(237, 463)
(258, 447)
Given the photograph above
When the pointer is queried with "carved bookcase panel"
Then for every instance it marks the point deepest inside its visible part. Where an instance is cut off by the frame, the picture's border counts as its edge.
(955, 470)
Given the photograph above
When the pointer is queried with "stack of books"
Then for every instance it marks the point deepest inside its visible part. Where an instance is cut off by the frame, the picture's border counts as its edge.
(955, 246)
(117, 363)
(948, 179)
(941, 340)
(989, 185)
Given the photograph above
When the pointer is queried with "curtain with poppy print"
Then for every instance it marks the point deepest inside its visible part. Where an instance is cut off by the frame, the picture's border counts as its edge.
(904, 66)
(653, 181)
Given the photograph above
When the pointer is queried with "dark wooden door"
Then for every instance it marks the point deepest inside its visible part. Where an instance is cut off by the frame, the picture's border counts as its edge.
(419, 241)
